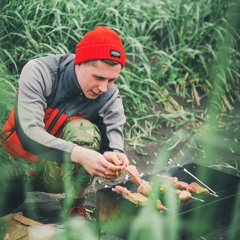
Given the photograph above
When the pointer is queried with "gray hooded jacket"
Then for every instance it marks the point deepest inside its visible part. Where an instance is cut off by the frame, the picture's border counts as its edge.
(50, 83)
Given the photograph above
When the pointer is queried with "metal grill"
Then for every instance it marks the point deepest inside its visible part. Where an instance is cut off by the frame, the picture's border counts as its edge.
(115, 214)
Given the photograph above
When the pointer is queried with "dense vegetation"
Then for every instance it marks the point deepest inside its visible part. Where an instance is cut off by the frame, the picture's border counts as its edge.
(181, 49)
(180, 52)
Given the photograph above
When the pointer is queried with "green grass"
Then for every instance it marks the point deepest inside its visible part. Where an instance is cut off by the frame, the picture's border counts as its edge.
(179, 53)
(173, 48)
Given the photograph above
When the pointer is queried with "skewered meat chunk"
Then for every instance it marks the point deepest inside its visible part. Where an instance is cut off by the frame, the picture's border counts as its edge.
(136, 198)
(173, 180)
(180, 185)
(163, 188)
(184, 195)
(122, 191)
(160, 206)
(7, 237)
(132, 170)
(191, 188)
(145, 188)
(198, 189)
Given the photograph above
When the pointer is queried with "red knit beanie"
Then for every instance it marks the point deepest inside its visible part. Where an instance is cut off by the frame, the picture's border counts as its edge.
(101, 43)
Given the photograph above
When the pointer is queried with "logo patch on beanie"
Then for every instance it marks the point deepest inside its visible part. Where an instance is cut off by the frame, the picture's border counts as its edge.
(114, 53)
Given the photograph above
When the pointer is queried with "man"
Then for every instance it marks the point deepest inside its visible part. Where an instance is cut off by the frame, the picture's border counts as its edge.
(67, 123)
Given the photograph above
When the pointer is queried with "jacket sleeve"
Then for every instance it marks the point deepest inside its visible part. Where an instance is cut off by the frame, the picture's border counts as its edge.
(34, 86)
(112, 123)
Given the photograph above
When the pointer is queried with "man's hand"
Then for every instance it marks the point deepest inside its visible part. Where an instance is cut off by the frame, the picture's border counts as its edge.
(118, 159)
(109, 166)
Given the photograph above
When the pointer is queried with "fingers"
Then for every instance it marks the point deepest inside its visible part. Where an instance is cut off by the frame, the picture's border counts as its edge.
(113, 158)
(114, 168)
(118, 159)
(124, 159)
(115, 165)
(111, 174)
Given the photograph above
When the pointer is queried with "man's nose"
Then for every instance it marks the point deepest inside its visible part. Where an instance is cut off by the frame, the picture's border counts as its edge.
(103, 86)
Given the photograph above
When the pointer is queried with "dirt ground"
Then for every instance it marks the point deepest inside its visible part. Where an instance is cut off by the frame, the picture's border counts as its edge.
(217, 148)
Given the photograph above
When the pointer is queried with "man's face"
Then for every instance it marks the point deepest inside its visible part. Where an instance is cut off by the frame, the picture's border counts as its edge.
(96, 80)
